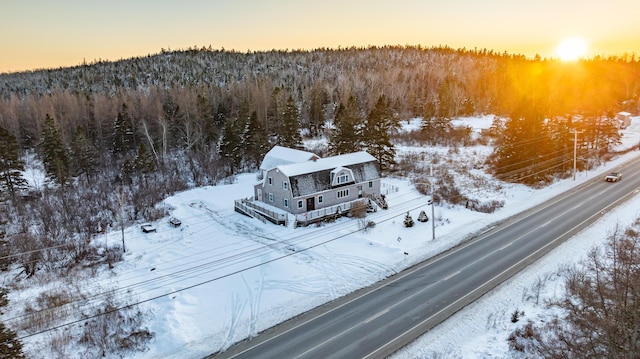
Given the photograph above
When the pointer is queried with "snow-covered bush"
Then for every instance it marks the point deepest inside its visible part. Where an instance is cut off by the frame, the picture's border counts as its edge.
(408, 221)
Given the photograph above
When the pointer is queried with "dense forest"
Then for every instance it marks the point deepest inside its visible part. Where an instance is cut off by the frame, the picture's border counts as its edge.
(115, 138)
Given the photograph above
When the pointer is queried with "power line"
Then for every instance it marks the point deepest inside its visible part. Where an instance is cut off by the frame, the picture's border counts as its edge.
(240, 257)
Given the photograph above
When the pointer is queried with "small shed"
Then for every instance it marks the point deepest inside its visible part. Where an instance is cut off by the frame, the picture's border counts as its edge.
(624, 119)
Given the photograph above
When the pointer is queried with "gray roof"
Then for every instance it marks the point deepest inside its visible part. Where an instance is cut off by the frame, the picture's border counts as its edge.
(327, 163)
(315, 176)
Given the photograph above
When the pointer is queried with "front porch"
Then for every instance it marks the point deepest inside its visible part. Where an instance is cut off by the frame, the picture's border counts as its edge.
(264, 212)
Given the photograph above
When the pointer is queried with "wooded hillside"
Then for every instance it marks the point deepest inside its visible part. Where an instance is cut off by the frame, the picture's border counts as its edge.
(115, 138)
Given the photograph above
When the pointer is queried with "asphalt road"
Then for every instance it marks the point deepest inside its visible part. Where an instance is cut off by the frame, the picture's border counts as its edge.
(374, 322)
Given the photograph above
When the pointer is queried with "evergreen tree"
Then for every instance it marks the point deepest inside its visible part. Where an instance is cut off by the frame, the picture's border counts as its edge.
(447, 102)
(256, 144)
(126, 171)
(11, 166)
(207, 117)
(289, 134)
(171, 112)
(348, 129)
(525, 151)
(144, 161)
(436, 129)
(10, 345)
(319, 99)
(408, 221)
(379, 124)
(84, 156)
(54, 153)
(122, 132)
(230, 149)
(468, 107)
(275, 111)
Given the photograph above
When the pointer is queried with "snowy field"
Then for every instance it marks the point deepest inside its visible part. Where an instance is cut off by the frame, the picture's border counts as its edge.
(221, 277)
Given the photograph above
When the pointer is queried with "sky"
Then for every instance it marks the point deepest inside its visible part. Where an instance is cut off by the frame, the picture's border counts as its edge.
(40, 34)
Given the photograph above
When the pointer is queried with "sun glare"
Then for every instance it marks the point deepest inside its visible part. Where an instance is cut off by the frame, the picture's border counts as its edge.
(571, 49)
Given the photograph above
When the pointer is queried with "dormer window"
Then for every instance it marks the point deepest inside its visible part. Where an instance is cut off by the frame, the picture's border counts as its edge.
(341, 176)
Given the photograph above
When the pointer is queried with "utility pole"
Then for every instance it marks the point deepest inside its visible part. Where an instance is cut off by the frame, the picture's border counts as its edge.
(120, 197)
(575, 151)
(433, 219)
(432, 204)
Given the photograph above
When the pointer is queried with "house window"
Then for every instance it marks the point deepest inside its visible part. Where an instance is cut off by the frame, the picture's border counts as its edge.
(299, 203)
(270, 180)
(285, 185)
(342, 193)
(320, 198)
(370, 184)
(270, 197)
(286, 203)
(343, 178)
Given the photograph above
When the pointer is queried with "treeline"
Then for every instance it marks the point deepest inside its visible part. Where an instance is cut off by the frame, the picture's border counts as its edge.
(190, 118)
(207, 87)
(115, 138)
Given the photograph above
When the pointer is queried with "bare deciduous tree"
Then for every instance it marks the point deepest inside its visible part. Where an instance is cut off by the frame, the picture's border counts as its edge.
(601, 308)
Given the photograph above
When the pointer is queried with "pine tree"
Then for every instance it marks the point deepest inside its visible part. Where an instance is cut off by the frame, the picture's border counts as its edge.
(144, 161)
(125, 171)
(256, 144)
(275, 112)
(347, 137)
(408, 221)
(84, 156)
(525, 147)
(435, 129)
(230, 149)
(10, 345)
(379, 124)
(11, 166)
(207, 117)
(289, 134)
(122, 132)
(172, 115)
(319, 99)
(54, 153)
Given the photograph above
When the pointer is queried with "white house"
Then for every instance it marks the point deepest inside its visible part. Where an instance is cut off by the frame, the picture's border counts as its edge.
(313, 187)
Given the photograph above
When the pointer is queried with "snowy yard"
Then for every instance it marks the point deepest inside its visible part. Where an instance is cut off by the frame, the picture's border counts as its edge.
(220, 276)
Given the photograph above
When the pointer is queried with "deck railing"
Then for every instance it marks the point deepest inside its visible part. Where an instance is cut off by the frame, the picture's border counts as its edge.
(246, 206)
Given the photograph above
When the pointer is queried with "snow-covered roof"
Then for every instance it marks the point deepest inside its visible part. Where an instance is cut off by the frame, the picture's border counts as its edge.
(311, 177)
(279, 155)
(327, 163)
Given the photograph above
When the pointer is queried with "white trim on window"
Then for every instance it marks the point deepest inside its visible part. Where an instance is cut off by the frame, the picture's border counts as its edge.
(286, 203)
(342, 193)
(343, 178)
(285, 185)
(299, 203)
(270, 197)
(320, 198)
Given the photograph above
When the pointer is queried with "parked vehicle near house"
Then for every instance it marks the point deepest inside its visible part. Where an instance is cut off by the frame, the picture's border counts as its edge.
(175, 222)
(148, 227)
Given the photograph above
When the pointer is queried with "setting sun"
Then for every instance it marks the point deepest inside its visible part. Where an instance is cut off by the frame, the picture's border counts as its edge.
(571, 49)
